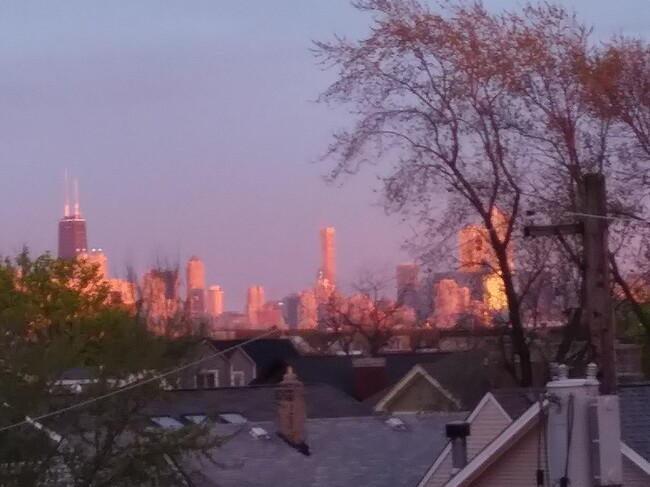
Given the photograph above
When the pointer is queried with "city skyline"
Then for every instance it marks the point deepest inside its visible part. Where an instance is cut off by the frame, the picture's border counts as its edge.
(193, 131)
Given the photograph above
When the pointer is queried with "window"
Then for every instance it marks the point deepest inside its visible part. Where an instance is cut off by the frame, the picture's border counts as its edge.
(207, 379)
(167, 422)
(237, 378)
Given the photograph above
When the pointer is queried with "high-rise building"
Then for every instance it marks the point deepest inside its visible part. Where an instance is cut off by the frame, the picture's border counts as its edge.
(195, 287)
(476, 253)
(324, 288)
(98, 258)
(254, 302)
(328, 252)
(408, 285)
(307, 310)
(290, 310)
(215, 301)
(195, 274)
(160, 293)
(72, 228)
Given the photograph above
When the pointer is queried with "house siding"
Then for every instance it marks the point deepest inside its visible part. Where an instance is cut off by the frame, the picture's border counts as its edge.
(516, 467)
(218, 362)
(633, 476)
(488, 423)
(486, 426)
(240, 362)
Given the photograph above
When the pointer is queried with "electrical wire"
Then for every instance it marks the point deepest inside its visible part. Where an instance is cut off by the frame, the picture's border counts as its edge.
(605, 217)
(32, 420)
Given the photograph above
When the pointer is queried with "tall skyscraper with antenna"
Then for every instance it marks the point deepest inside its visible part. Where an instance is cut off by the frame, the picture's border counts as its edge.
(72, 227)
(328, 253)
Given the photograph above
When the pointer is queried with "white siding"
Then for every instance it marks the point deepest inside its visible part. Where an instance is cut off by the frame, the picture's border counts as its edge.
(517, 467)
(485, 427)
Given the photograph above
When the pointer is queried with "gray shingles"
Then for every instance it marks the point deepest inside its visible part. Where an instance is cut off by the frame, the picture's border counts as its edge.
(256, 403)
(344, 452)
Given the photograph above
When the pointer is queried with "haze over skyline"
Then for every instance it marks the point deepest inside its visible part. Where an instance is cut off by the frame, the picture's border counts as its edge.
(191, 128)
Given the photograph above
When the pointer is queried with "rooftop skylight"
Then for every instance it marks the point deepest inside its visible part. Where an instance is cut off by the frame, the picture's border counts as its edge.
(167, 422)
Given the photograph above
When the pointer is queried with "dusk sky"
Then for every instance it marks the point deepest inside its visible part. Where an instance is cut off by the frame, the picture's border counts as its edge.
(192, 129)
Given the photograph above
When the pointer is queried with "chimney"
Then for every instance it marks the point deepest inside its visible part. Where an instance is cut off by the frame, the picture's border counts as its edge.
(292, 411)
(369, 376)
(457, 432)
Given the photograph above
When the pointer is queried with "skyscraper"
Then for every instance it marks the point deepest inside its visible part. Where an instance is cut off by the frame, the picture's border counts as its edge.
(195, 274)
(98, 258)
(328, 251)
(195, 287)
(72, 227)
(408, 285)
(254, 301)
(215, 301)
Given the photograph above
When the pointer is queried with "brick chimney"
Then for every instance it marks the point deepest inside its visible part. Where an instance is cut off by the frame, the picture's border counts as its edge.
(292, 411)
(369, 376)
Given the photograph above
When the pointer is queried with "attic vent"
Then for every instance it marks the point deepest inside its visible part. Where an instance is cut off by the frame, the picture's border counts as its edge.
(259, 433)
(396, 424)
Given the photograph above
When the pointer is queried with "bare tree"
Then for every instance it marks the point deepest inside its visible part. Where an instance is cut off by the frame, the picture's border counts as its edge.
(431, 95)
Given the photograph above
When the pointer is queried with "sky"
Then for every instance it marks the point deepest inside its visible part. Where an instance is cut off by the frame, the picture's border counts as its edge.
(192, 128)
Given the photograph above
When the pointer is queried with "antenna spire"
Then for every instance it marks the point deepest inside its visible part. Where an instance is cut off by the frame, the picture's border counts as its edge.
(66, 207)
(77, 213)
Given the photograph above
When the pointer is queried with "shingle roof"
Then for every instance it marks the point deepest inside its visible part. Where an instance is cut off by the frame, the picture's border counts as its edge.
(337, 370)
(465, 375)
(256, 403)
(635, 416)
(345, 452)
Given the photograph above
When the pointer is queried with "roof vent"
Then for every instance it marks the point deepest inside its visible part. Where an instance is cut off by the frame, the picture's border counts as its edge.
(396, 424)
(259, 433)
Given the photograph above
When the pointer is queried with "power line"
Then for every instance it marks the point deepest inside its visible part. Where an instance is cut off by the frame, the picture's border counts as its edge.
(36, 419)
(604, 217)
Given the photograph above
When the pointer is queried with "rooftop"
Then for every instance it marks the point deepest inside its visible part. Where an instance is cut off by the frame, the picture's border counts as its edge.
(344, 452)
(255, 403)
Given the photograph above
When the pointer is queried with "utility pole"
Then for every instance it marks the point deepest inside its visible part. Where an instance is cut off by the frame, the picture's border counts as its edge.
(598, 300)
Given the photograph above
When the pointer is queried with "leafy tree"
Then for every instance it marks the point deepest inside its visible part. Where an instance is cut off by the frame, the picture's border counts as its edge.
(55, 316)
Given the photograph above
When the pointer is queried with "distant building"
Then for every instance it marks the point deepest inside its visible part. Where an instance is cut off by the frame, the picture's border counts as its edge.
(160, 293)
(408, 285)
(122, 292)
(72, 228)
(476, 253)
(254, 301)
(215, 301)
(290, 309)
(195, 274)
(324, 288)
(270, 314)
(307, 310)
(98, 258)
(328, 251)
(195, 287)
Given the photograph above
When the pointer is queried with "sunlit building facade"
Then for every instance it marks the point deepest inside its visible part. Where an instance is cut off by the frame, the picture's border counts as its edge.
(328, 254)
(255, 299)
(215, 301)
